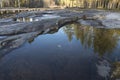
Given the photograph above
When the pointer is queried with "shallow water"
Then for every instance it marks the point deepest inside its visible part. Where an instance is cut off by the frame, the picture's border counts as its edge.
(74, 52)
(39, 18)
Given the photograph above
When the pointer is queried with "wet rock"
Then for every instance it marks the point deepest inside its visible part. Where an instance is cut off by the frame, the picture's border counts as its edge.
(10, 43)
(64, 21)
(84, 17)
(16, 39)
(94, 23)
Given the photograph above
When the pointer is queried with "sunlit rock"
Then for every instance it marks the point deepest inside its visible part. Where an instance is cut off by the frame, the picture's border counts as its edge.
(111, 23)
(112, 20)
(38, 21)
(113, 16)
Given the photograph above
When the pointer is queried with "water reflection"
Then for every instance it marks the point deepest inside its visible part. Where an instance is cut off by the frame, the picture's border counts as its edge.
(9, 43)
(100, 39)
(73, 52)
(37, 18)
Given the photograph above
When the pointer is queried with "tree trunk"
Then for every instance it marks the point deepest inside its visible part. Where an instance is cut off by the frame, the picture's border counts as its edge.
(19, 3)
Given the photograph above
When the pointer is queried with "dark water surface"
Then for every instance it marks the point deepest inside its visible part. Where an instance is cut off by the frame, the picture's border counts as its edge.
(74, 52)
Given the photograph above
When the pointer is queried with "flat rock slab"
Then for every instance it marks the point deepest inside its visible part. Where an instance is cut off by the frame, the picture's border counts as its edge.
(45, 19)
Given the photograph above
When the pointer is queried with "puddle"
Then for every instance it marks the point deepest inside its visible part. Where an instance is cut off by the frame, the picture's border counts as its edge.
(74, 52)
(32, 19)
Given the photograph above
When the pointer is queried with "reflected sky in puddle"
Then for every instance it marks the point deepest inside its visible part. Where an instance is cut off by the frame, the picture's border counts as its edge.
(38, 18)
(75, 52)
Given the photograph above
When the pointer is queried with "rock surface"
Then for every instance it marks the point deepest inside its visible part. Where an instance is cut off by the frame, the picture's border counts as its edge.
(40, 20)
(34, 23)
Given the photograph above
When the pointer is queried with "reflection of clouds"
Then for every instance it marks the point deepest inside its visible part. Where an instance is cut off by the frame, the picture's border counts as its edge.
(103, 68)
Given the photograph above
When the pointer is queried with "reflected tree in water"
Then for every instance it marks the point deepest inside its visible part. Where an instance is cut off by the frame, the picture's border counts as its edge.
(101, 40)
(68, 31)
(105, 40)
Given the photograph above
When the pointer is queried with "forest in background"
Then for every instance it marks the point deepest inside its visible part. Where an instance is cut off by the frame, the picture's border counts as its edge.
(108, 4)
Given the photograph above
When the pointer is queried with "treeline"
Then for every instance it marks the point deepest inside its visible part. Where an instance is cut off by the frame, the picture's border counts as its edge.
(25, 3)
(109, 4)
